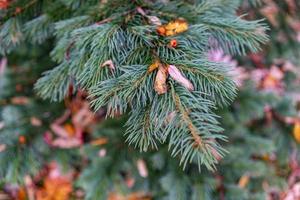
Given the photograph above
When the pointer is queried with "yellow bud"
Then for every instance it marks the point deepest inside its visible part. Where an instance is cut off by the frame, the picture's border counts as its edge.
(153, 66)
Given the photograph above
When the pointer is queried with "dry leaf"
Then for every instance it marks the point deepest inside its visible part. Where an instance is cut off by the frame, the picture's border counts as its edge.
(177, 76)
(139, 196)
(66, 143)
(99, 141)
(132, 196)
(267, 157)
(5, 196)
(35, 121)
(244, 180)
(2, 147)
(70, 130)
(20, 100)
(142, 168)
(160, 84)
(21, 194)
(270, 12)
(58, 188)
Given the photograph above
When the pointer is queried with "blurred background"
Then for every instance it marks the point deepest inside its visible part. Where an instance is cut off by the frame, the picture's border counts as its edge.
(61, 151)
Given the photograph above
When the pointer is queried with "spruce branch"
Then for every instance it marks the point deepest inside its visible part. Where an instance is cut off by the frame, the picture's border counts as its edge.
(108, 49)
(195, 139)
(185, 117)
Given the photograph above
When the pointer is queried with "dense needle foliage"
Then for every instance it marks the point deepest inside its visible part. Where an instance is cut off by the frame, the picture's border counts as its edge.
(163, 87)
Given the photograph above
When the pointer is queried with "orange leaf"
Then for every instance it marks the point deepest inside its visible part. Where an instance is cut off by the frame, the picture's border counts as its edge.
(99, 141)
(55, 189)
(20, 100)
(132, 196)
(244, 180)
(296, 132)
(21, 195)
(70, 129)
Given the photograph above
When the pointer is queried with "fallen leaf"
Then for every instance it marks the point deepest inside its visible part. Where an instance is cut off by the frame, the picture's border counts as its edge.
(99, 141)
(296, 132)
(2, 147)
(142, 168)
(35, 121)
(244, 180)
(69, 129)
(57, 188)
(20, 100)
(132, 196)
(21, 194)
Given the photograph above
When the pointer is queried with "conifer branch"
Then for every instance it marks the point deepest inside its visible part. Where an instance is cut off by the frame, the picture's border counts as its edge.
(185, 116)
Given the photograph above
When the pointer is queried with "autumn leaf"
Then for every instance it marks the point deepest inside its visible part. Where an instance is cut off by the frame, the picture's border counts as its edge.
(296, 132)
(57, 188)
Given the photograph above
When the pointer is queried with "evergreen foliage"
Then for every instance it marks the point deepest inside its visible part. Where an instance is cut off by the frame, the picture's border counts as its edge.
(107, 48)
(120, 32)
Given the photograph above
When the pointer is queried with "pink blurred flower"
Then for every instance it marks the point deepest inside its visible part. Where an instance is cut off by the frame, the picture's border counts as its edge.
(270, 80)
(239, 74)
(293, 193)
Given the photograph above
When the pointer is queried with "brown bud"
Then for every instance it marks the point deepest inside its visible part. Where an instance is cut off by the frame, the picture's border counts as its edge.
(160, 84)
